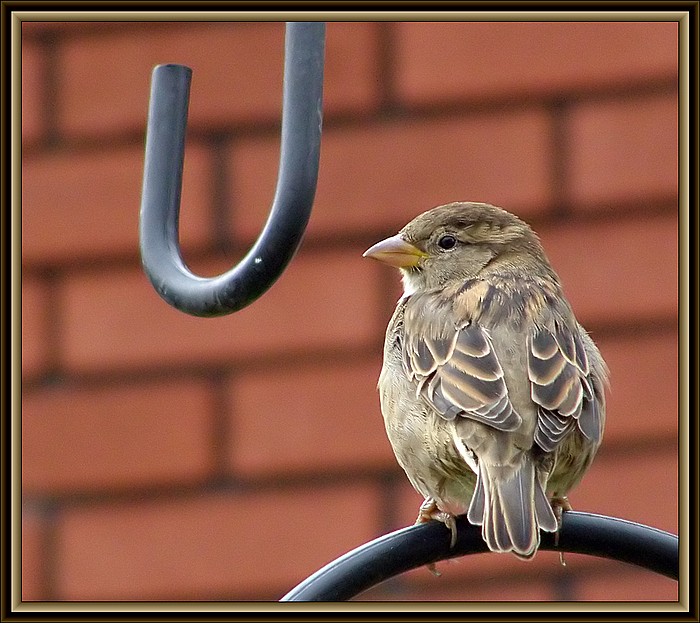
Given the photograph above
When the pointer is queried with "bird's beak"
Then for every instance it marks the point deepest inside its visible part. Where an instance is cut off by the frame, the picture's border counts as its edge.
(395, 251)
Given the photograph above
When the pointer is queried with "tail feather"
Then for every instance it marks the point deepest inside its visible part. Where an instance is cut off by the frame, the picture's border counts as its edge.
(511, 509)
(546, 518)
(475, 514)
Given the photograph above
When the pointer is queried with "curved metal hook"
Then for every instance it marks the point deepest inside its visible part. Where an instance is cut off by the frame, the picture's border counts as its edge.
(415, 546)
(296, 183)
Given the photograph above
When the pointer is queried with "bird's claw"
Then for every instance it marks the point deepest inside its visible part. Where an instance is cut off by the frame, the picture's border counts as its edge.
(429, 511)
(559, 505)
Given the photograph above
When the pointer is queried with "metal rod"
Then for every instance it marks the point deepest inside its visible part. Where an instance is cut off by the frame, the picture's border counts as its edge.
(415, 546)
(296, 183)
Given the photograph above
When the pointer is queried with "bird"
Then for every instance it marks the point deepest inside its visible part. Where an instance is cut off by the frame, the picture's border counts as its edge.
(492, 393)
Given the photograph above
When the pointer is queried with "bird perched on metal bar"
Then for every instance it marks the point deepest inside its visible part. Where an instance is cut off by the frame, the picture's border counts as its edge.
(492, 393)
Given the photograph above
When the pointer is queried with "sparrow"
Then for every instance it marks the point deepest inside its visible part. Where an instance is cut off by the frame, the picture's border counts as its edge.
(492, 394)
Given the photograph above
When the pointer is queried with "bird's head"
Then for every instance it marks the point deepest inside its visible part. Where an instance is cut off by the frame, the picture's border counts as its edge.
(456, 242)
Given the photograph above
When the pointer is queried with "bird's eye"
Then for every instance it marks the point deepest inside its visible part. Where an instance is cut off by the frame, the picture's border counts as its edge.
(447, 241)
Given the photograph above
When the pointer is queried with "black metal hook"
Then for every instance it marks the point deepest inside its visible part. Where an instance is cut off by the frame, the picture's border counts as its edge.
(296, 183)
(415, 546)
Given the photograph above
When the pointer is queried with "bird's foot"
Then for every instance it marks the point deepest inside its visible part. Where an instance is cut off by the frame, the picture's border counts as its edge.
(559, 505)
(429, 511)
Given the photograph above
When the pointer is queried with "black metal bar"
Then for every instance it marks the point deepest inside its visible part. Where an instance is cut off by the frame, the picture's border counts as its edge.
(415, 546)
(296, 183)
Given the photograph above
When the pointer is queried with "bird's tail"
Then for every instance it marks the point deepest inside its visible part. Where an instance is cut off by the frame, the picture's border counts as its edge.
(511, 508)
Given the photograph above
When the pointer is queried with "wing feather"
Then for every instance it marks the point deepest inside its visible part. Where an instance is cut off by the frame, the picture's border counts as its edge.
(457, 370)
(559, 374)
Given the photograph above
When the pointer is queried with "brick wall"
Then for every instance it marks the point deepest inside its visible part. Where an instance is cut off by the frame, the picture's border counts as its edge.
(170, 457)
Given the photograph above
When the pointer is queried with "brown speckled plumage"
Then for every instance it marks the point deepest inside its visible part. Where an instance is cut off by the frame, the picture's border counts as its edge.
(491, 391)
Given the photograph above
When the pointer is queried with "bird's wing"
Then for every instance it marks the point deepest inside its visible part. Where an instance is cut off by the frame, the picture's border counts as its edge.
(561, 384)
(455, 366)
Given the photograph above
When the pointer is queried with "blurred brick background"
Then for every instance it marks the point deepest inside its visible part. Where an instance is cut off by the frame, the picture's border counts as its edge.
(167, 457)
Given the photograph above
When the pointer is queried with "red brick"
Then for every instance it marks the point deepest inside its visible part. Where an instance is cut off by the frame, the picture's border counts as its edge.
(495, 589)
(75, 204)
(586, 579)
(624, 150)
(643, 398)
(382, 176)
(441, 60)
(623, 270)
(478, 577)
(32, 91)
(640, 487)
(117, 320)
(250, 546)
(33, 557)
(237, 72)
(115, 437)
(616, 582)
(496, 578)
(227, 81)
(315, 418)
(35, 301)
(32, 28)
(350, 74)
(409, 501)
